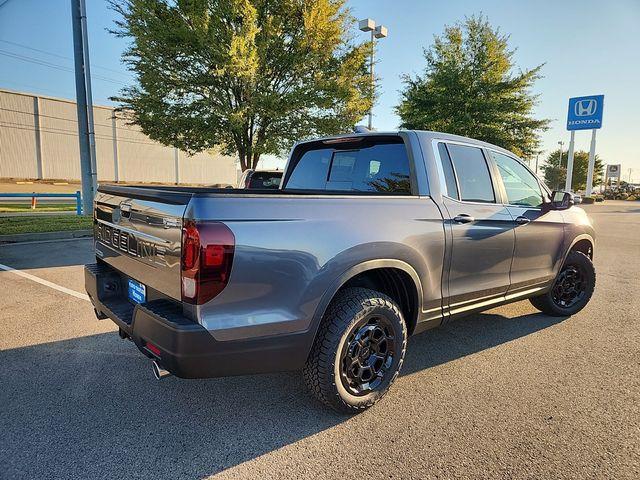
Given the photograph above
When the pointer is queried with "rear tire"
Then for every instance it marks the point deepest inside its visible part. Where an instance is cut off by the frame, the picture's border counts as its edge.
(572, 288)
(358, 351)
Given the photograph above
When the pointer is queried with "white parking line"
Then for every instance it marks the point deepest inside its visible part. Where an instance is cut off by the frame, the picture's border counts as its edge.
(46, 283)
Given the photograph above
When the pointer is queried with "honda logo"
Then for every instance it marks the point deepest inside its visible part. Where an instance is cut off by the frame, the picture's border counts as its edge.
(586, 108)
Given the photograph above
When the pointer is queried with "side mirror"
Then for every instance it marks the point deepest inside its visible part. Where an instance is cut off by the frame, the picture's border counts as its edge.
(560, 200)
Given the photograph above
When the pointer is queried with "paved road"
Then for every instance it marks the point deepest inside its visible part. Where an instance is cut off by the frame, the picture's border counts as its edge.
(506, 394)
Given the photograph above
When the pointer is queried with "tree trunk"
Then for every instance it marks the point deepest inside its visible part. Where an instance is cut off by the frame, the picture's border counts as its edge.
(243, 159)
(255, 159)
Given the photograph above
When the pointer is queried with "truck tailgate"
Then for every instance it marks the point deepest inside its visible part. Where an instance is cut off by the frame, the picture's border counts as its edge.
(138, 232)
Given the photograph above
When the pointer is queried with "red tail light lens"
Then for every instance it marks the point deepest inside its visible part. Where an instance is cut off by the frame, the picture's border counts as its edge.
(190, 246)
(214, 255)
(207, 256)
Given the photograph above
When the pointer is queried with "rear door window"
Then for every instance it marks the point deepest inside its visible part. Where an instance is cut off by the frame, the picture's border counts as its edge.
(472, 173)
(449, 175)
(379, 167)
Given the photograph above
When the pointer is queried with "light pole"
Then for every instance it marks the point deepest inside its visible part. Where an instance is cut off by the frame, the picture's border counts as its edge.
(369, 25)
(561, 143)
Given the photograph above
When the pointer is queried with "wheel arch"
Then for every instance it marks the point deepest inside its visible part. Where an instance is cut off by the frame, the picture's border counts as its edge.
(360, 274)
(582, 243)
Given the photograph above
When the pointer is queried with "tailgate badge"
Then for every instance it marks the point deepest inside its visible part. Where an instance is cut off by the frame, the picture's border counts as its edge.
(125, 209)
(170, 222)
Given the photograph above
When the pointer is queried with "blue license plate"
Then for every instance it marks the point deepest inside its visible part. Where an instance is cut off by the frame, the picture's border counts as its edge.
(137, 292)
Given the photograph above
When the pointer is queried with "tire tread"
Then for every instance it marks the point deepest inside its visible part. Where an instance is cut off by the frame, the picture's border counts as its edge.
(318, 372)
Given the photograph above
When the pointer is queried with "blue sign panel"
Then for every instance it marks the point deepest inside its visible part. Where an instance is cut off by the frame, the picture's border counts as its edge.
(585, 113)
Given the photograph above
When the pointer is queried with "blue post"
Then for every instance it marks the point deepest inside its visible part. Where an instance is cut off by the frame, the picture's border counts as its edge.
(78, 203)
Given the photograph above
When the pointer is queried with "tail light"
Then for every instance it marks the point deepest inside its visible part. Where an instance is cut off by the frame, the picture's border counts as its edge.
(207, 255)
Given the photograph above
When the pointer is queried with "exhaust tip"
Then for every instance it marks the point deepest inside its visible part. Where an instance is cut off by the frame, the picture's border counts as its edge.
(159, 372)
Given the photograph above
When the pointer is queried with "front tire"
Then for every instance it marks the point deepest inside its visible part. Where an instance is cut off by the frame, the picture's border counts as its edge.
(358, 352)
(572, 288)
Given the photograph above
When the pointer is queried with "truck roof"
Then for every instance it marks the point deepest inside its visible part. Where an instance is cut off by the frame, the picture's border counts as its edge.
(424, 134)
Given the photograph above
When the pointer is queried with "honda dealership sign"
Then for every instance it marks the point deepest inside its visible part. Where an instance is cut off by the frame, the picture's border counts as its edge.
(585, 113)
(613, 171)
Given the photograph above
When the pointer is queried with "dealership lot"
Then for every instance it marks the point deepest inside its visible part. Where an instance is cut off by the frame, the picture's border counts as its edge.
(509, 393)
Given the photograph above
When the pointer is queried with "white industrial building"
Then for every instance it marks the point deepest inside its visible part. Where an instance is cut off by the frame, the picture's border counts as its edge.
(39, 141)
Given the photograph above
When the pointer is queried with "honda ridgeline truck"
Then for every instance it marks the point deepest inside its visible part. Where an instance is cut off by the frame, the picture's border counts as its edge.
(370, 238)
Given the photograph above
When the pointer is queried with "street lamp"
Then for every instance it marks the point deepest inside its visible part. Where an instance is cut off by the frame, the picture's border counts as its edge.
(369, 25)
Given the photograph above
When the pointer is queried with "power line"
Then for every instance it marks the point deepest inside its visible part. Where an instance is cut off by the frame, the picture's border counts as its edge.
(22, 85)
(61, 56)
(55, 66)
(60, 131)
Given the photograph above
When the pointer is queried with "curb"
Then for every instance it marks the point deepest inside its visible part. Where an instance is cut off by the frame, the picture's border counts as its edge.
(35, 237)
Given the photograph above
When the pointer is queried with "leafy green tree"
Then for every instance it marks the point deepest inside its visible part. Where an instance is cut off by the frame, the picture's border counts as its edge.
(555, 172)
(248, 77)
(469, 88)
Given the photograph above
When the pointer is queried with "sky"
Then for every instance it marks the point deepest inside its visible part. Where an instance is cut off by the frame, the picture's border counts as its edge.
(588, 48)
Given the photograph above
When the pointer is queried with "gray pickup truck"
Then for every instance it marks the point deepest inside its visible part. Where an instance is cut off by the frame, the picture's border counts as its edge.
(370, 238)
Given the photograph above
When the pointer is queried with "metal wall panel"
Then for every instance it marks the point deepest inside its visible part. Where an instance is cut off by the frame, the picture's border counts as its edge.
(104, 142)
(18, 156)
(59, 133)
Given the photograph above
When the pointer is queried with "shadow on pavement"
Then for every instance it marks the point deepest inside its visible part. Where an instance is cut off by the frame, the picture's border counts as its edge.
(469, 335)
(89, 407)
(25, 256)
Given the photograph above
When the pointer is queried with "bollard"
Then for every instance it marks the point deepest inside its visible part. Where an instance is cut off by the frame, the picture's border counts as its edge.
(78, 203)
(34, 201)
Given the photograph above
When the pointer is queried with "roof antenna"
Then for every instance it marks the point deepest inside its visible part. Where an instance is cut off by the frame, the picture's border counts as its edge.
(361, 129)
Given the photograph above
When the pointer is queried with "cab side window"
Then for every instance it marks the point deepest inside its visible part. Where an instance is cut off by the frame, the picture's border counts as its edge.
(521, 185)
(472, 174)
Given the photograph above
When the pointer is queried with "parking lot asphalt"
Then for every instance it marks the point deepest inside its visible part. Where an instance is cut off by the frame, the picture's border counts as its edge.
(509, 393)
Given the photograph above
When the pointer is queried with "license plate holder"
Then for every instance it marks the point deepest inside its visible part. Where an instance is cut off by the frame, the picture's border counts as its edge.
(137, 291)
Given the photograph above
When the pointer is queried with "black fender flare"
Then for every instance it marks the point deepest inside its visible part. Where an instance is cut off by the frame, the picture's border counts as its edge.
(579, 238)
(347, 275)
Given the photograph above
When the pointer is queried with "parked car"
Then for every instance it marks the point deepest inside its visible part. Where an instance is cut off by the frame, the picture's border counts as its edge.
(369, 239)
(260, 179)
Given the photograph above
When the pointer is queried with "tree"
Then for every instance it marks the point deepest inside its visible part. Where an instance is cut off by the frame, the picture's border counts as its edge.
(249, 77)
(468, 88)
(555, 172)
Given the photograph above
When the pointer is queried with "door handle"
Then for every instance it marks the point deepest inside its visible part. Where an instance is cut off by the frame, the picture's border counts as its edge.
(522, 220)
(464, 218)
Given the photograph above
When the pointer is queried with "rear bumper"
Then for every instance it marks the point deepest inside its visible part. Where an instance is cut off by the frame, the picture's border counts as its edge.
(187, 349)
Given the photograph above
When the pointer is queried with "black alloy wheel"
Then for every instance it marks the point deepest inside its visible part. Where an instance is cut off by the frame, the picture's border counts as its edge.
(569, 288)
(367, 355)
(572, 288)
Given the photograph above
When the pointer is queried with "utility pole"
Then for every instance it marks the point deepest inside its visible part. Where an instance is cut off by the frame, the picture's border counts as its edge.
(86, 135)
(87, 69)
(369, 25)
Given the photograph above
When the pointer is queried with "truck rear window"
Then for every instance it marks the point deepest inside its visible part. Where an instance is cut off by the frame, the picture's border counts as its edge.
(380, 166)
